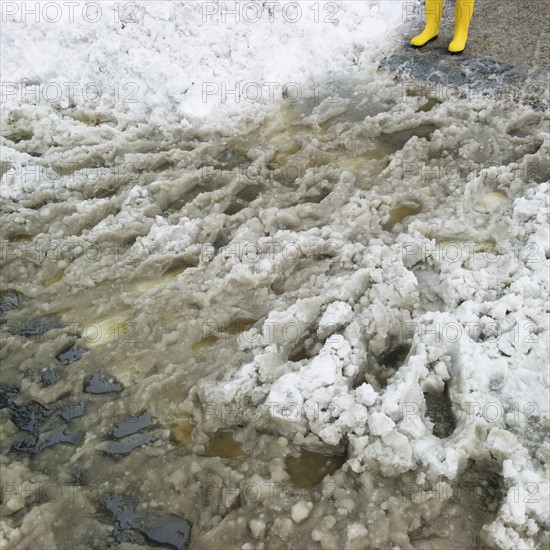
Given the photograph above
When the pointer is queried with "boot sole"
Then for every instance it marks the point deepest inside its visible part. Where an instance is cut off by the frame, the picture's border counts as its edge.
(427, 41)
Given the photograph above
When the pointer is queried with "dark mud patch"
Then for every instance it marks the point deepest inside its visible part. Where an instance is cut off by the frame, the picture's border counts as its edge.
(131, 526)
(70, 354)
(9, 300)
(439, 410)
(383, 367)
(469, 503)
(128, 444)
(42, 425)
(100, 383)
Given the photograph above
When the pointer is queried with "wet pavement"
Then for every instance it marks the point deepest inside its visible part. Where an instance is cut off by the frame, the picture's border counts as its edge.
(507, 54)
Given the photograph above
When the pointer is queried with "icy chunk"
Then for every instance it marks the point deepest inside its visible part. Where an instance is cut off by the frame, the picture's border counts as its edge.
(380, 424)
(300, 511)
(336, 316)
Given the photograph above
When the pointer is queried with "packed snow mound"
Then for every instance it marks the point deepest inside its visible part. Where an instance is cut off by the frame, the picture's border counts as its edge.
(183, 61)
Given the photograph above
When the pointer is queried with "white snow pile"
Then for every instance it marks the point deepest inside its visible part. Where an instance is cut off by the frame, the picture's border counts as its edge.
(176, 61)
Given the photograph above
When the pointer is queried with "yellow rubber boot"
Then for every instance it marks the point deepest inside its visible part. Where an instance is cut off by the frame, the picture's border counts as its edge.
(434, 11)
(463, 14)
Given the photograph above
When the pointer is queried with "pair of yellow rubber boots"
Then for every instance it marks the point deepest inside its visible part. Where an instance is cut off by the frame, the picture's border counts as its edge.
(434, 10)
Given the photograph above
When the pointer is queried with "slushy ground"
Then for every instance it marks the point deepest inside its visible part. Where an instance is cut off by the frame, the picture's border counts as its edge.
(321, 325)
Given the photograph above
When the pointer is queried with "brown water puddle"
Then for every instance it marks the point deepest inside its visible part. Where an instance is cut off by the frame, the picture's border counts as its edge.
(223, 444)
(181, 432)
(309, 467)
(399, 213)
(237, 326)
